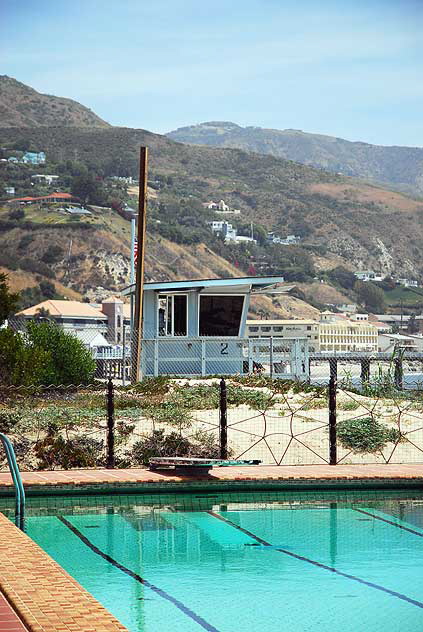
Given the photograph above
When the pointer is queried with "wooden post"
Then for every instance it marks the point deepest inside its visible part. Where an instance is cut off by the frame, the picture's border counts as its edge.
(139, 279)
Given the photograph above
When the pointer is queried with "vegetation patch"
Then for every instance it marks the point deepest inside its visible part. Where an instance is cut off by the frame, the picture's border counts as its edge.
(366, 435)
(200, 444)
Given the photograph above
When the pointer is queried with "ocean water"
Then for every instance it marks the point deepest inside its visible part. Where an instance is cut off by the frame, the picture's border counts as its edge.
(266, 563)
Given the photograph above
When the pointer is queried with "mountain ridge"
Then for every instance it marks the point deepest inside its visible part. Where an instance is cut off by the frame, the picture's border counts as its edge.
(395, 166)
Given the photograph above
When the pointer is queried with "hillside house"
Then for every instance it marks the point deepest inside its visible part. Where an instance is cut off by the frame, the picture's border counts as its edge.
(368, 275)
(228, 232)
(45, 199)
(408, 282)
(33, 158)
(45, 179)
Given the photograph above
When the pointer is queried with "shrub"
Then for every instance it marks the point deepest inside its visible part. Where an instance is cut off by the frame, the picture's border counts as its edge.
(67, 360)
(21, 363)
(55, 451)
(17, 214)
(8, 420)
(366, 435)
(200, 445)
(53, 253)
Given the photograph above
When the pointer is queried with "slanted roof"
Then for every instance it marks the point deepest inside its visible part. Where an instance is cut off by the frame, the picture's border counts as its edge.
(236, 285)
(69, 309)
(92, 338)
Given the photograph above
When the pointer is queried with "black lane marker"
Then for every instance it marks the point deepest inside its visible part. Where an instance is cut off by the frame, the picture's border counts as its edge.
(394, 524)
(419, 604)
(192, 615)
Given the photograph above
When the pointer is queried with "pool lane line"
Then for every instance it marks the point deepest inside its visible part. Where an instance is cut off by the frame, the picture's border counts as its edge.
(159, 591)
(394, 524)
(414, 602)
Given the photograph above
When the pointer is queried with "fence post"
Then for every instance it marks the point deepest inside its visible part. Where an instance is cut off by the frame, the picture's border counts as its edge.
(332, 420)
(110, 464)
(333, 366)
(124, 354)
(398, 373)
(223, 420)
(271, 357)
(365, 371)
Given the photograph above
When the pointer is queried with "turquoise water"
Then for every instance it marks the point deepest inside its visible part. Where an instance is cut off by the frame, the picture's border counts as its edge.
(272, 562)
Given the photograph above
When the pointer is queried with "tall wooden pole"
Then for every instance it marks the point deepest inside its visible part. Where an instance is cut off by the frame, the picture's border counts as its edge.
(139, 278)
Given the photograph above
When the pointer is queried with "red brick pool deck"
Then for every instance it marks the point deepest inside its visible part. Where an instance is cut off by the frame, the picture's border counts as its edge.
(37, 595)
(258, 474)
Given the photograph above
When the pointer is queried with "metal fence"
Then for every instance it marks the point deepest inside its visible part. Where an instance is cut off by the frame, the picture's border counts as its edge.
(377, 418)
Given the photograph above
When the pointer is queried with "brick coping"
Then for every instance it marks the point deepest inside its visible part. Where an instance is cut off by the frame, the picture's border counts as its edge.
(224, 477)
(44, 596)
(9, 620)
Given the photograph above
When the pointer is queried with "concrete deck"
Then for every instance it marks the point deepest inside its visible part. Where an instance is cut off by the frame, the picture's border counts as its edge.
(99, 480)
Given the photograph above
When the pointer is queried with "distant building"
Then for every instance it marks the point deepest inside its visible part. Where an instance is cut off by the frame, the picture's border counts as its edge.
(77, 210)
(408, 282)
(388, 343)
(52, 197)
(339, 334)
(221, 207)
(9, 190)
(228, 232)
(47, 179)
(369, 275)
(71, 315)
(85, 319)
(33, 158)
(286, 329)
(289, 240)
(349, 308)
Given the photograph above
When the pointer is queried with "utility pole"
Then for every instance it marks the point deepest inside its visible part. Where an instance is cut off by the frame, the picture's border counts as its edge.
(132, 281)
(139, 279)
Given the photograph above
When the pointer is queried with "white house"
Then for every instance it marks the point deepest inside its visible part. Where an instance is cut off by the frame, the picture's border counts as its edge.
(368, 275)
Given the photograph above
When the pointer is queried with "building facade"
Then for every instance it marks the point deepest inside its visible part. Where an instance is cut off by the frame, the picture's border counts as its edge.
(334, 333)
(287, 329)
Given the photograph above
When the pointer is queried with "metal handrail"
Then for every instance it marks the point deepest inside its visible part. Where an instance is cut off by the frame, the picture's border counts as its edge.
(17, 481)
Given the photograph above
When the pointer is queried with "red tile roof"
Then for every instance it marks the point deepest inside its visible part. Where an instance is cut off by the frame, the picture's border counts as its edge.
(61, 196)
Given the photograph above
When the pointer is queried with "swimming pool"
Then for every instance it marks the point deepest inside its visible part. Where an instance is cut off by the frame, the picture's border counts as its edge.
(297, 561)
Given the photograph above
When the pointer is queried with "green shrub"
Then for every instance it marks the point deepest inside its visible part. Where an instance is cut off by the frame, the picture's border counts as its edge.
(8, 420)
(365, 435)
(169, 413)
(315, 403)
(69, 362)
(349, 404)
(21, 362)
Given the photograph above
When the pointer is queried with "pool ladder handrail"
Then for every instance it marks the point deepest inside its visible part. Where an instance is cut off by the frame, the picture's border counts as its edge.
(17, 482)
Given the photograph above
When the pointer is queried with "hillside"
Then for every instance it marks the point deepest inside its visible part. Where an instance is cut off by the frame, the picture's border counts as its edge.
(339, 220)
(91, 260)
(22, 106)
(396, 167)
(359, 225)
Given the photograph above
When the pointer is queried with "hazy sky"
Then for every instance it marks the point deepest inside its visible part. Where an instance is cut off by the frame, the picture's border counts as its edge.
(348, 68)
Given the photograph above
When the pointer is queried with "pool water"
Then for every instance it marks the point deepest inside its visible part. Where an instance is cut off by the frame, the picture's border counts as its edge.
(265, 563)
